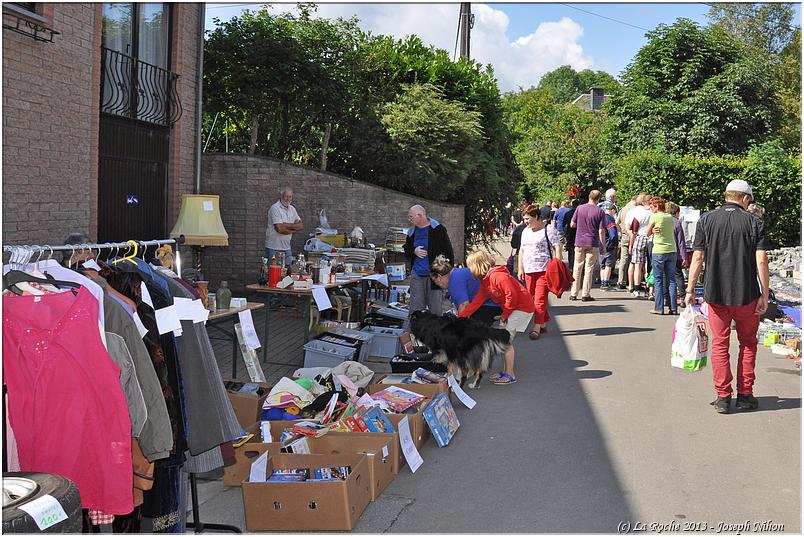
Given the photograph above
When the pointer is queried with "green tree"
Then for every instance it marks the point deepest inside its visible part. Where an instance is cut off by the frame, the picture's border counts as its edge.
(694, 90)
(767, 26)
(789, 93)
(565, 84)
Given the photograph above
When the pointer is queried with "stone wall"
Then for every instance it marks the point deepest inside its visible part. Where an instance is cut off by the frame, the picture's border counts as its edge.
(248, 186)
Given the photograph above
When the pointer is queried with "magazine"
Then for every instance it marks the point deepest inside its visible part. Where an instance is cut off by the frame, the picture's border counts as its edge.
(289, 474)
(441, 418)
(377, 422)
(310, 428)
(332, 473)
(397, 399)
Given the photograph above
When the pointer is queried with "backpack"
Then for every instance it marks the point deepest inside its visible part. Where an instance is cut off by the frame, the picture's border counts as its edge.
(612, 237)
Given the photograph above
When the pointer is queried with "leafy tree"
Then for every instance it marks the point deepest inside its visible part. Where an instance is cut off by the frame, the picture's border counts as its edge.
(565, 84)
(557, 146)
(789, 93)
(767, 26)
(694, 90)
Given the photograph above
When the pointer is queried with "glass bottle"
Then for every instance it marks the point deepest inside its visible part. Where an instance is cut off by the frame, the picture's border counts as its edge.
(224, 296)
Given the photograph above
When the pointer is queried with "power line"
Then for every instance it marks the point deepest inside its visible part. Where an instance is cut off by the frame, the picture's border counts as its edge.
(608, 18)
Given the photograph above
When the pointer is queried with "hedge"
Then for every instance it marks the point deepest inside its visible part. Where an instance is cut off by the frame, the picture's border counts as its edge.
(700, 181)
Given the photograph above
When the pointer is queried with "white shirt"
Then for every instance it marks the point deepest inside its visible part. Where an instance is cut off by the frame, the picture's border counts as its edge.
(279, 214)
(642, 215)
(533, 248)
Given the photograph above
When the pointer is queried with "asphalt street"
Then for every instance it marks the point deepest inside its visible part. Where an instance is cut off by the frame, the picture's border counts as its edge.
(599, 434)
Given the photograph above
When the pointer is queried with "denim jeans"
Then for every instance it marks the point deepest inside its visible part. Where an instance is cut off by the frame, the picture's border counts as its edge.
(269, 253)
(664, 274)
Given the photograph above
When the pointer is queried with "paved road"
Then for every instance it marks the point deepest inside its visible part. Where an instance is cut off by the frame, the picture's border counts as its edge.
(599, 430)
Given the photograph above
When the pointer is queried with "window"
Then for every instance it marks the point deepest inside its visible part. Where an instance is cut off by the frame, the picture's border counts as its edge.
(137, 82)
(33, 19)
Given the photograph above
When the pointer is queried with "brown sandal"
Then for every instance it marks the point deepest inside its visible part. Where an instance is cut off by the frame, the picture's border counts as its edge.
(534, 335)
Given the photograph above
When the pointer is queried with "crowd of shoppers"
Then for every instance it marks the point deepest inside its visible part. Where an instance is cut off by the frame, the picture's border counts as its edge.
(645, 240)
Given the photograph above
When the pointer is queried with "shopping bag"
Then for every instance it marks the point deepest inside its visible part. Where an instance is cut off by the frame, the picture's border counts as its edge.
(690, 348)
(650, 280)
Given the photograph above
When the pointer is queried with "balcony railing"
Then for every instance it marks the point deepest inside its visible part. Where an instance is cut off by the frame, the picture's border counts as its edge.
(137, 90)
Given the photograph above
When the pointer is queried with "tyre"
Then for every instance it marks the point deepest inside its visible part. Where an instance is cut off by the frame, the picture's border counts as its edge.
(20, 488)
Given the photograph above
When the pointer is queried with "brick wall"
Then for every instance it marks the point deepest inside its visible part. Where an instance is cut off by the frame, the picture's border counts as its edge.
(48, 153)
(248, 186)
(51, 94)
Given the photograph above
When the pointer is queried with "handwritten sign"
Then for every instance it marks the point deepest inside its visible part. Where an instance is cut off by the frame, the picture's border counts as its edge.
(408, 447)
(45, 511)
(462, 395)
(247, 324)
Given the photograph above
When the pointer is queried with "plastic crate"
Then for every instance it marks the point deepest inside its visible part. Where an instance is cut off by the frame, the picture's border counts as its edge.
(319, 353)
(385, 343)
(364, 337)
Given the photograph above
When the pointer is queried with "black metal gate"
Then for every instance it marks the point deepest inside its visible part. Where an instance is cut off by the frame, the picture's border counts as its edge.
(132, 180)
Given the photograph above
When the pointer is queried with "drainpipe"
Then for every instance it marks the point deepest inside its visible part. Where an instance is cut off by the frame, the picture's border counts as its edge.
(199, 95)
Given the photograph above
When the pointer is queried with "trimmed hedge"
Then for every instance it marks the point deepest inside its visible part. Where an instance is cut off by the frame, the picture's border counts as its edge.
(699, 181)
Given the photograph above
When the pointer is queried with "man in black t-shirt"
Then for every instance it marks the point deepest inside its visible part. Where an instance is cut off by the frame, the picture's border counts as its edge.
(732, 243)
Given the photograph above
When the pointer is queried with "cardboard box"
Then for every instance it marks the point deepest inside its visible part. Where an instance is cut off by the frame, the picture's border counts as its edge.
(247, 408)
(305, 506)
(430, 390)
(382, 468)
(418, 428)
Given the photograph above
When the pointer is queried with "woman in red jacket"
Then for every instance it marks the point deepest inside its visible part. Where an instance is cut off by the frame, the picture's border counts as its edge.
(497, 284)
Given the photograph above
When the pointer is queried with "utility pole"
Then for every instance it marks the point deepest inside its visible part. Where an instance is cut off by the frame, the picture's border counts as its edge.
(466, 23)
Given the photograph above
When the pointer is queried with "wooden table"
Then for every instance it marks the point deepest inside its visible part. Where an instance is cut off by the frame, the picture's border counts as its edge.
(221, 316)
(307, 297)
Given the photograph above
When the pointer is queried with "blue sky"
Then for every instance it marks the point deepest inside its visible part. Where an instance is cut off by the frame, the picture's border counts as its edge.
(522, 41)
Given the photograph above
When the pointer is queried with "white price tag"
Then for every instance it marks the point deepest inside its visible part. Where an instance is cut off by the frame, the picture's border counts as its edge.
(200, 313)
(385, 451)
(167, 320)
(140, 327)
(247, 325)
(45, 511)
(146, 296)
(184, 308)
(462, 395)
(208, 206)
(408, 447)
(321, 297)
(91, 264)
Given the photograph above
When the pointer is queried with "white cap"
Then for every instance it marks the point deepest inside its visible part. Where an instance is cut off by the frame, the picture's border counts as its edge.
(738, 185)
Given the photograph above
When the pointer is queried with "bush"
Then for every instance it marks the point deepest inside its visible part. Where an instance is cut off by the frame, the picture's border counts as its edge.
(699, 181)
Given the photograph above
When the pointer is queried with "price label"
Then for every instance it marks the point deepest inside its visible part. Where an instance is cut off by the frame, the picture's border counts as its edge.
(45, 511)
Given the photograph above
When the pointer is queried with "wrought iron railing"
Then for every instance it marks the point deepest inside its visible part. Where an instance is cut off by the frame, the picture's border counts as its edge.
(137, 90)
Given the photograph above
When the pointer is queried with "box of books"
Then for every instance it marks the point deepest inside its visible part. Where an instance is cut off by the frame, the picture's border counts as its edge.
(404, 404)
(392, 439)
(308, 493)
(246, 451)
(246, 399)
(377, 449)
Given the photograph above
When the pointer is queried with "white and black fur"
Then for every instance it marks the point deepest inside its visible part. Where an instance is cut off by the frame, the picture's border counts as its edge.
(468, 347)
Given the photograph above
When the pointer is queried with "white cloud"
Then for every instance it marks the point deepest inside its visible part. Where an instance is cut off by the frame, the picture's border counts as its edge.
(517, 63)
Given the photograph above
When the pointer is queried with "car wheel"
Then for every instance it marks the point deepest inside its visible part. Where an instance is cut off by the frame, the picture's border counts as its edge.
(21, 488)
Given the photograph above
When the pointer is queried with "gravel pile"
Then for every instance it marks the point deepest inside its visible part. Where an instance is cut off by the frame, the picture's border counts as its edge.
(782, 263)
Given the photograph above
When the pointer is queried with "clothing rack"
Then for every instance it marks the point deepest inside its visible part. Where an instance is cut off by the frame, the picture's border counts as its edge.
(26, 252)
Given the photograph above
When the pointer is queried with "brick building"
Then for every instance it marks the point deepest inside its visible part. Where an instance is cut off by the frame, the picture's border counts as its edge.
(99, 118)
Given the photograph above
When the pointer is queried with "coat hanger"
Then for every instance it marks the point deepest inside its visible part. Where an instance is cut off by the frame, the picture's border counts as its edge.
(130, 257)
(13, 277)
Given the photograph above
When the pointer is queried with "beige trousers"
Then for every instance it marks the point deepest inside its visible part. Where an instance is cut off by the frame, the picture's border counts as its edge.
(584, 267)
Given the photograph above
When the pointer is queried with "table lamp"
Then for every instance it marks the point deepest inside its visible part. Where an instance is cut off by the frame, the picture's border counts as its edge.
(200, 223)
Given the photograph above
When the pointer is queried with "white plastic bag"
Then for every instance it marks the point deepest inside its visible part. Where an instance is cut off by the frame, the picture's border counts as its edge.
(690, 349)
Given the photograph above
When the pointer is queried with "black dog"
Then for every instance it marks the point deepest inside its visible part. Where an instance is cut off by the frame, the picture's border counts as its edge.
(468, 347)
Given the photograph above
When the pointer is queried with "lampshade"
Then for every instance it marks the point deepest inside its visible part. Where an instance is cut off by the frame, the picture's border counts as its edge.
(200, 221)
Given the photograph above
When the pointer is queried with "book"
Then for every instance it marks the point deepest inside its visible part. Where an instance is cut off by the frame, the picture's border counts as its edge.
(397, 399)
(289, 474)
(351, 423)
(240, 440)
(299, 445)
(310, 428)
(423, 376)
(441, 419)
(396, 379)
(377, 422)
(331, 473)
